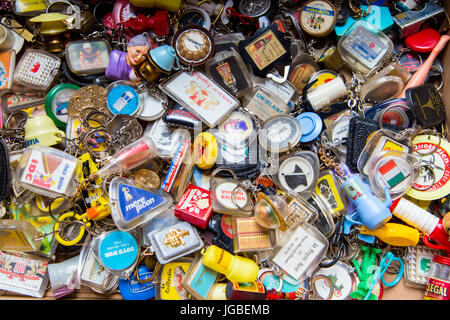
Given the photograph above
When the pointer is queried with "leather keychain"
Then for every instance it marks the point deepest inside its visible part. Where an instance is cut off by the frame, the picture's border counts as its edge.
(4, 171)
(426, 104)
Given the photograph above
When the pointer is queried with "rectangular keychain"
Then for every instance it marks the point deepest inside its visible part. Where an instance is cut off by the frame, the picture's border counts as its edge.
(201, 95)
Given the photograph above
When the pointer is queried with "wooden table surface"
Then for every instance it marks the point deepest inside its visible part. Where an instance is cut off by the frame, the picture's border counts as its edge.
(398, 292)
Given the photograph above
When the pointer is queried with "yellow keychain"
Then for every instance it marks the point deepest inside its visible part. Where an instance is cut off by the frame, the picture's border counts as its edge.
(82, 219)
(97, 200)
(395, 234)
(205, 150)
(234, 267)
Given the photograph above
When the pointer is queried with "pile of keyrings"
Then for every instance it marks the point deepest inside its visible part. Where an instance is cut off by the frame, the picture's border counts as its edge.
(223, 149)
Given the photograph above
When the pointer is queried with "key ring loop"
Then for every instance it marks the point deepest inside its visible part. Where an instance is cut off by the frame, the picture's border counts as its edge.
(328, 283)
(429, 131)
(21, 123)
(253, 197)
(87, 144)
(66, 220)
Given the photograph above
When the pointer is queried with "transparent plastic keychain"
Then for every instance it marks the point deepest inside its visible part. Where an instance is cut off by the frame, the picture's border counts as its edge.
(392, 169)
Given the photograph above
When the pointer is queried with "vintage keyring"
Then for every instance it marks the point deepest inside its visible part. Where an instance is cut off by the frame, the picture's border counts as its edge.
(64, 219)
(381, 115)
(245, 188)
(263, 196)
(328, 283)
(21, 123)
(96, 141)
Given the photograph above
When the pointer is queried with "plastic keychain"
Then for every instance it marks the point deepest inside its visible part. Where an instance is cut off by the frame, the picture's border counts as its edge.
(379, 273)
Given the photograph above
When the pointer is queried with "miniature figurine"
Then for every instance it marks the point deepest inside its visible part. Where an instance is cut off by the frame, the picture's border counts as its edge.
(121, 64)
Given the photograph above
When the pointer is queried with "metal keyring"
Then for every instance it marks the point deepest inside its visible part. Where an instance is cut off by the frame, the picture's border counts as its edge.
(19, 124)
(252, 197)
(427, 166)
(441, 73)
(85, 142)
(437, 145)
(408, 50)
(65, 198)
(327, 281)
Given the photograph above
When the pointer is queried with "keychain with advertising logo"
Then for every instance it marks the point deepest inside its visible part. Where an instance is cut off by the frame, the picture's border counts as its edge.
(227, 68)
(266, 49)
(227, 200)
(317, 18)
(433, 180)
(117, 251)
(175, 241)
(132, 206)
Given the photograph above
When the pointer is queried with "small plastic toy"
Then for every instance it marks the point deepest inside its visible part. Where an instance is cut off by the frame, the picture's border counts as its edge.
(372, 212)
(121, 64)
(365, 273)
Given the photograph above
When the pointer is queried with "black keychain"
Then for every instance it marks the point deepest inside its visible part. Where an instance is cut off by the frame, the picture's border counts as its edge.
(266, 49)
(4, 171)
(426, 104)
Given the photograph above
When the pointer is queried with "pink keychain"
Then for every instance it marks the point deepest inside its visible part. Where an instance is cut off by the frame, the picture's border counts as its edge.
(421, 74)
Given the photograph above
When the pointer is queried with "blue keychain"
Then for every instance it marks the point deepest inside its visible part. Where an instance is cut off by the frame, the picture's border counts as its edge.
(378, 16)
(379, 273)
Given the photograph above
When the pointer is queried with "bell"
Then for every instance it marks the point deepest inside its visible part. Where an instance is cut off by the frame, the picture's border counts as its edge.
(161, 60)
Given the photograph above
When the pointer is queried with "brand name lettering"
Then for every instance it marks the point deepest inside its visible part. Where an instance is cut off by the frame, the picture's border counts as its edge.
(140, 204)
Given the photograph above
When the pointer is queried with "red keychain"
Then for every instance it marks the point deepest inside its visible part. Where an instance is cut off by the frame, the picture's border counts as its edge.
(423, 41)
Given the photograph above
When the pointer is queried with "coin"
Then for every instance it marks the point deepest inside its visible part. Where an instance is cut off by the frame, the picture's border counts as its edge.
(146, 178)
